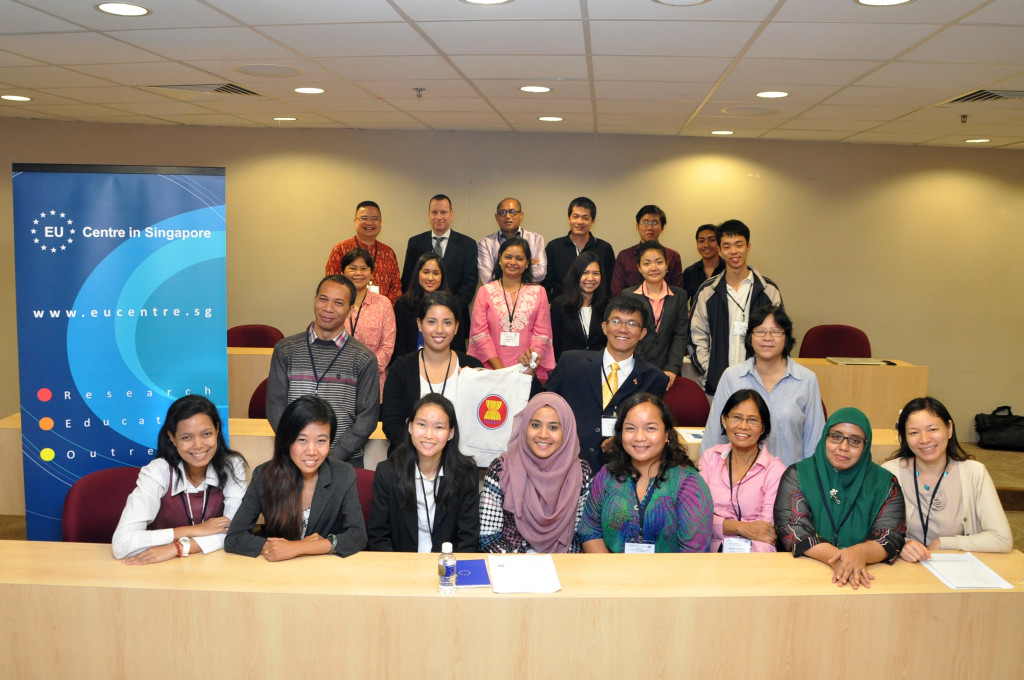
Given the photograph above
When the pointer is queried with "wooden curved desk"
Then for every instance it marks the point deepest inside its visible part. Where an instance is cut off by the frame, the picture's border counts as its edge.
(70, 610)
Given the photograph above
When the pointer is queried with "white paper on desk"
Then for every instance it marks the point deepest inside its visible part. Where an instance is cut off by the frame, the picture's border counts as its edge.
(691, 435)
(963, 571)
(523, 574)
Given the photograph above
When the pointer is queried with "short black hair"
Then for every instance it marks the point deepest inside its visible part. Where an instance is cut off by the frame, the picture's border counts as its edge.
(706, 227)
(630, 304)
(649, 245)
(740, 396)
(583, 202)
(509, 243)
(651, 209)
(440, 197)
(757, 318)
(367, 204)
(732, 228)
(343, 280)
(357, 254)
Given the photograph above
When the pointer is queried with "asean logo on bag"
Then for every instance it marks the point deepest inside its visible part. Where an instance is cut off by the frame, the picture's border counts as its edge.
(492, 412)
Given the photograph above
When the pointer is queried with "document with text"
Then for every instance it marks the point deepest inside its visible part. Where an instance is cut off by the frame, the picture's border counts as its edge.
(963, 571)
(523, 574)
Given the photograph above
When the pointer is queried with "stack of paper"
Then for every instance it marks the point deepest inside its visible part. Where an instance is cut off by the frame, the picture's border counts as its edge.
(523, 574)
(963, 571)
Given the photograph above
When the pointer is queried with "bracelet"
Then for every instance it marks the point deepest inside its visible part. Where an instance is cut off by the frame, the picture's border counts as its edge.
(177, 545)
(333, 538)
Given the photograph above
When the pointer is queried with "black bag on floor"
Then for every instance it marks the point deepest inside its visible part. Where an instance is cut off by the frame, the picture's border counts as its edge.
(1000, 430)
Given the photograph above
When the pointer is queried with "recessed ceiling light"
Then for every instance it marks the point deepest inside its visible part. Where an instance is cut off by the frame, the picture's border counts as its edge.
(15, 98)
(122, 9)
(284, 118)
(721, 132)
(550, 119)
(486, 2)
(309, 90)
(681, 3)
(977, 141)
(535, 88)
(882, 3)
(772, 94)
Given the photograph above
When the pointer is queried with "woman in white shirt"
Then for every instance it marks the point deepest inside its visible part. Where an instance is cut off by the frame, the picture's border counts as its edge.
(186, 497)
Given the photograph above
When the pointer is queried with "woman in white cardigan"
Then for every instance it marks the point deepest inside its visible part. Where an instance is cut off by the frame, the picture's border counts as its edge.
(950, 499)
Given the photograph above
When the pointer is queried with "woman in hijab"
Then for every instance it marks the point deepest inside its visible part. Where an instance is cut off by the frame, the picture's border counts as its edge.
(534, 493)
(839, 507)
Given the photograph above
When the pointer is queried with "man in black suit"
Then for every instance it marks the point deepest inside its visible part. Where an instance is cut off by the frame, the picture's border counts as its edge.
(582, 378)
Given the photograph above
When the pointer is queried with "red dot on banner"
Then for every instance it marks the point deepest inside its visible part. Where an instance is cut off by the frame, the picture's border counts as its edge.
(44, 394)
(46, 423)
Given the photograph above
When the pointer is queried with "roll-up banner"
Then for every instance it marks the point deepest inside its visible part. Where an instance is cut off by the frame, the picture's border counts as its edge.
(121, 294)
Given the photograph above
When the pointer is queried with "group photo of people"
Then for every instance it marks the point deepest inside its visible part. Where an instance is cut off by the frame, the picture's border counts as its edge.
(594, 462)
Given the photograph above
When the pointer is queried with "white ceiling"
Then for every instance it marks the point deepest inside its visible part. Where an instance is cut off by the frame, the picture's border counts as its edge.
(854, 73)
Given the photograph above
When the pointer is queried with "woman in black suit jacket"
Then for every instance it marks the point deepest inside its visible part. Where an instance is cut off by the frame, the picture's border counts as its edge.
(427, 493)
(668, 331)
(429, 278)
(586, 296)
(308, 500)
(434, 368)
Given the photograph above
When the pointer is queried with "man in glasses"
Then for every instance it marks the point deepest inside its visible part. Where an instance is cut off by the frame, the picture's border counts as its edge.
(509, 217)
(595, 383)
(368, 222)
(650, 223)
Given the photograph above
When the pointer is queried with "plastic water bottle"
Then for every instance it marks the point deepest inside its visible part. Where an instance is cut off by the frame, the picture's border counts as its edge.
(446, 570)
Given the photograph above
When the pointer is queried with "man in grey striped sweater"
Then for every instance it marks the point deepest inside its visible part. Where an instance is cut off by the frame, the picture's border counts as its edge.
(325, 360)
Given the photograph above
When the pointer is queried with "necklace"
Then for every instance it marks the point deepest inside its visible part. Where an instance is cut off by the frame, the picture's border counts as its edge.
(927, 487)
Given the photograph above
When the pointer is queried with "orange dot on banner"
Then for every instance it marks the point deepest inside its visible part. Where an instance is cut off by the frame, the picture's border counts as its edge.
(46, 454)
(44, 394)
(46, 423)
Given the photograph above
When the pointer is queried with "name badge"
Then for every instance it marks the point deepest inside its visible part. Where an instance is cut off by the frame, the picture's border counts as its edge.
(637, 548)
(739, 328)
(736, 544)
(509, 339)
(608, 427)
(373, 289)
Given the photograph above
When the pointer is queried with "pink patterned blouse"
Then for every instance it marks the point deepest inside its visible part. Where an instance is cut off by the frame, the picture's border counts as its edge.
(530, 318)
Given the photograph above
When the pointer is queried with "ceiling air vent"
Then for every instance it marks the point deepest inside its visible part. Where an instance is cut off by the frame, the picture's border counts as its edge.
(987, 96)
(190, 92)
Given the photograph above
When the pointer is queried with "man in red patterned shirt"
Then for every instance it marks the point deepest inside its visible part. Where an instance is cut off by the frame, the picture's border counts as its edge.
(386, 276)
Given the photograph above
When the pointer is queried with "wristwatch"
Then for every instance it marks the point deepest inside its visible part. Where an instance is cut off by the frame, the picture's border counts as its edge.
(183, 544)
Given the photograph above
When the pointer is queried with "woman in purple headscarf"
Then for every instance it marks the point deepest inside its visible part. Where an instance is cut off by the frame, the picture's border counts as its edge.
(534, 493)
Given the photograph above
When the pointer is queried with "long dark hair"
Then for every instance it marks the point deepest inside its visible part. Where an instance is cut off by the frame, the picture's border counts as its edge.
(514, 241)
(571, 286)
(620, 465)
(937, 409)
(740, 396)
(458, 469)
(282, 488)
(183, 409)
(413, 298)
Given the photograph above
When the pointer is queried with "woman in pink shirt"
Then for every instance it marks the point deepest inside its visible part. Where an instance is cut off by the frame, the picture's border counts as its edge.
(743, 477)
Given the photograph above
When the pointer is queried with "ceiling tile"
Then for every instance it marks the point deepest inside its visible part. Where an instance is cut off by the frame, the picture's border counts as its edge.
(677, 109)
(106, 95)
(389, 68)
(999, 12)
(351, 40)
(267, 117)
(432, 10)
(330, 106)
(162, 108)
(966, 77)
(216, 119)
(833, 125)
(404, 89)
(670, 38)
(157, 73)
(798, 94)
(560, 89)
(541, 106)
(731, 10)
(958, 141)
(306, 11)
(190, 44)
(830, 112)
(506, 37)
(415, 107)
(333, 89)
(77, 110)
(637, 129)
(164, 14)
(806, 135)
(973, 45)
(528, 67)
(47, 76)
(619, 89)
(681, 69)
(893, 96)
(773, 72)
(73, 48)
(21, 19)
(9, 59)
(930, 12)
(638, 119)
(227, 69)
(838, 41)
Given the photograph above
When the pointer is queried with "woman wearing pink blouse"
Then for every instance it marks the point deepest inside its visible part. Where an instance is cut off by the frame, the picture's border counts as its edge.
(510, 317)
(371, 320)
(743, 477)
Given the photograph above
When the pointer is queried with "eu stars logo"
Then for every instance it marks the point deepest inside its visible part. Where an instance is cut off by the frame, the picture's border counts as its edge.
(53, 231)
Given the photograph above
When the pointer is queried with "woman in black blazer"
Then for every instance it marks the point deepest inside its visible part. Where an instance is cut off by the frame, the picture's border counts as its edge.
(584, 301)
(668, 330)
(430, 277)
(427, 493)
(434, 368)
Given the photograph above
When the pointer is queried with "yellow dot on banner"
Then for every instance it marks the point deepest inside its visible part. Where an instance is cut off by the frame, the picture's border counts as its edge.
(46, 454)
(46, 423)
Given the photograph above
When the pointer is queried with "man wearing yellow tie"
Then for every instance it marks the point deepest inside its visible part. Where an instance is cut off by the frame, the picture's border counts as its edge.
(595, 383)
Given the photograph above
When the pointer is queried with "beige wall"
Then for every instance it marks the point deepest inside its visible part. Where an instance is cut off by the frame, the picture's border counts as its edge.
(920, 247)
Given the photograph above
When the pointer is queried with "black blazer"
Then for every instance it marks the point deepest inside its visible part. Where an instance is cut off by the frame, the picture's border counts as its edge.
(567, 332)
(402, 389)
(667, 348)
(335, 510)
(393, 525)
(577, 378)
(459, 259)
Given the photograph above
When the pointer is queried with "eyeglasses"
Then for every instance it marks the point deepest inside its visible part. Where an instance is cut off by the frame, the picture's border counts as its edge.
(735, 419)
(618, 323)
(854, 441)
(651, 223)
(774, 332)
(364, 218)
(511, 212)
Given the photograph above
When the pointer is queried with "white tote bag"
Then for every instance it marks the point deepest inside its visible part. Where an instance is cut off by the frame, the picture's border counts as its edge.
(485, 405)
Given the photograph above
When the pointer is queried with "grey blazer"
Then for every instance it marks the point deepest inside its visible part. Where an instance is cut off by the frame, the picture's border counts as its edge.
(335, 510)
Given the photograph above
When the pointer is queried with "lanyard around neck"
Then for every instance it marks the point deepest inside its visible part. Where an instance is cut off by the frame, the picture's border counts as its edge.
(734, 499)
(446, 372)
(926, 519)
(312, 362)
(188, 506)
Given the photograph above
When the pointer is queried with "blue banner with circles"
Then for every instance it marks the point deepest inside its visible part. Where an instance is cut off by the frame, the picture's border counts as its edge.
(121, 293)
